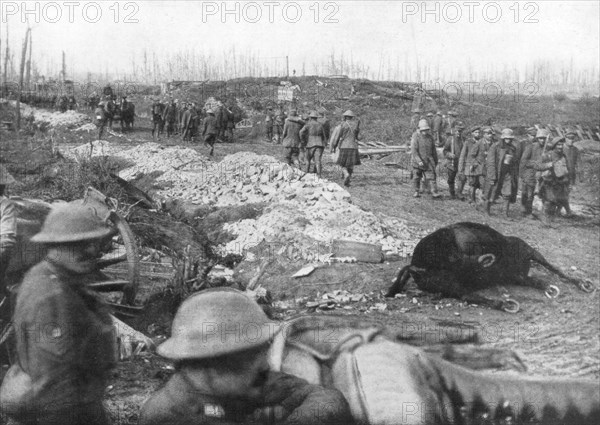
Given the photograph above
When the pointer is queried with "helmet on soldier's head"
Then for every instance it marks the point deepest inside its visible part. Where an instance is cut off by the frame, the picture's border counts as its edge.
(507, 133)
(423, 125)
(532, 131)
(313, 114)
(348, 113)
(459, 125)
(552, 143)
(542, 133)
(217, 322)
(70, 222)
(570, 131)
(210, 111)
(5, 176)
(429, 114)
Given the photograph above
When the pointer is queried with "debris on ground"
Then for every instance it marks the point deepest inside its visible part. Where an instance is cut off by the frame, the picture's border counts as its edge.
(68, 119)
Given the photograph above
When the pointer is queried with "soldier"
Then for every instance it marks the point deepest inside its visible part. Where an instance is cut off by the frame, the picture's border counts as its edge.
(314, 133)
(279, 123)
(527, 171)
(530, 137)
(424, 159)
(209, 130)
(346, 136)
(571, 152)
(449, 124)
(60, 376)
(503, 170)
(170, 117)
(414, 120)
(186, 124)
(269, 124)
(156, 113)
(452, 149)
(325, 122)
(429, 118)
(220, 344)
(291, 138)
(438, 128)
(229, 124)
(8, 226)
(472, 160)
(101, 119)
(72, 103)
(554, 189)
(488, 140)
(109, 107)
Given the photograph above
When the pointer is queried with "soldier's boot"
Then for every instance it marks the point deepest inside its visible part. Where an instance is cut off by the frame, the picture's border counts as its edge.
(452, 191)
(488, 207)
(318, 169)
(460, 188)
(416, 184)
(434, 190)
(473, 196)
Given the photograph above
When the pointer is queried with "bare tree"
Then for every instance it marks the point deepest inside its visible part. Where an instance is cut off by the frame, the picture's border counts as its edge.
(21, 71)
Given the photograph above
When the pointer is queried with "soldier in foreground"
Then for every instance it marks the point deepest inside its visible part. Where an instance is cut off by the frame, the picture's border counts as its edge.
(65, 338)
(269, 124)
(219, 344)
(424, 159)
(8, 225)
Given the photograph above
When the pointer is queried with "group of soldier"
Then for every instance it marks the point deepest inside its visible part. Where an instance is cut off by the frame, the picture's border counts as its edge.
(543, 165)
(186, 119)
(305, 137)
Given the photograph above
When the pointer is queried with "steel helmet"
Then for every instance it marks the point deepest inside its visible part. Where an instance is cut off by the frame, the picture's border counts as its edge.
(532, 131)
(313, 114)
(423, 125)
(570, 131)
(348, 113)
(210, 111)
(216, 322)
(552, 143)
(429, 114)
(507, 133)
(71, 222)
(5, 176)
(542, 132)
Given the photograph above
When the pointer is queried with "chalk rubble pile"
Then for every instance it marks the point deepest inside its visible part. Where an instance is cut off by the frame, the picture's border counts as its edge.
(69, 119)
(304, 213)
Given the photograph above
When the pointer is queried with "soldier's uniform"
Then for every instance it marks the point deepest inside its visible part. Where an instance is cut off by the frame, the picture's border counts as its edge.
(554, 190)
(8, 226)
(424, 159)
(101, 118)
(452, 149)
(532, 153)
(291, 138)
(170, 117)
(269, 124)
(314, 134)
(571, 153)
(209, 130)
(156, 114)
(277, 398)
(65, 337)
(345, 138)
(438, 128)
(278, 124)
(503, 170)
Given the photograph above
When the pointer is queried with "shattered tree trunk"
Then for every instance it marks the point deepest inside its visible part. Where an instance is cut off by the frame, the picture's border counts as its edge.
(4, 79)
(21, 71)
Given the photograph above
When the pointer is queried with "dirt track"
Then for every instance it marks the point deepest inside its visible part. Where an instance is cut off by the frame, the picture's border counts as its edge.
(554, 337)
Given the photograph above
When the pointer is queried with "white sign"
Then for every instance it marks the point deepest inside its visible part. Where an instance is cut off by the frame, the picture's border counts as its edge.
(285, 93)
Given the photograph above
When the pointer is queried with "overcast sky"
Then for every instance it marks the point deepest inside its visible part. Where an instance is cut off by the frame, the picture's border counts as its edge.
(370, 30)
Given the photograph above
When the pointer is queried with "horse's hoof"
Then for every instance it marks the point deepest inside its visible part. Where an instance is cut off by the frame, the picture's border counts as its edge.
(587, 286)
(510, 306)
(552, 291)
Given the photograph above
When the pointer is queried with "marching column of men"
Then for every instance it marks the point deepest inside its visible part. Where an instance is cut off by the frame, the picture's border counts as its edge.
(538, 164)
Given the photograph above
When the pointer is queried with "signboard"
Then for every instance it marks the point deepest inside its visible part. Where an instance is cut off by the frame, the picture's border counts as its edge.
(285, 94)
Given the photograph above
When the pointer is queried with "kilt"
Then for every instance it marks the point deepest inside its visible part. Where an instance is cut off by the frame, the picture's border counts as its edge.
(348, 158)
